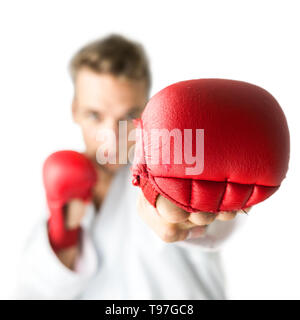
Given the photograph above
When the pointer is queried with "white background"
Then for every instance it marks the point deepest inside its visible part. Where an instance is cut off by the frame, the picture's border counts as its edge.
(255, 41)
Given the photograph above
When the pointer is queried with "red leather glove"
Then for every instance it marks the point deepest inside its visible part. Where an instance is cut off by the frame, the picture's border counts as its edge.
(246, 145)
(67, 175)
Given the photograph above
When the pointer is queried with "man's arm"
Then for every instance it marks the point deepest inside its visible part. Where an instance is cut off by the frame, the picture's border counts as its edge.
(74, 213)
(46, 274)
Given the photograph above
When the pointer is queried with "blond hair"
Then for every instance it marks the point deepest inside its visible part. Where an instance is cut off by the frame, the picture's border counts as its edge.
(115, 55)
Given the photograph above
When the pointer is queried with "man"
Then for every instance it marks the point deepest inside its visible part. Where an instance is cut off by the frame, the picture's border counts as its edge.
(128, 250)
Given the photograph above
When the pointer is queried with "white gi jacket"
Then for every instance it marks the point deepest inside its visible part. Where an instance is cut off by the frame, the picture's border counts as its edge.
(122, 258)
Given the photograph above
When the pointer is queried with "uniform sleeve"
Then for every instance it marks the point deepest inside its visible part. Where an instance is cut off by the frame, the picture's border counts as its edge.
(41, 274)
(218, 235)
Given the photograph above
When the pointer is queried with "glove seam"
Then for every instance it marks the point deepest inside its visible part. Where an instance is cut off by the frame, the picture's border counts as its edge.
(250, 196)
(191, 190)
(223, 181)
(223, 195)
(158, 189)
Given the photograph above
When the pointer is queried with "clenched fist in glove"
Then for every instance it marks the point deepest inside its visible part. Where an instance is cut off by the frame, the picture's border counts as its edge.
(207, 149)
(68, 177)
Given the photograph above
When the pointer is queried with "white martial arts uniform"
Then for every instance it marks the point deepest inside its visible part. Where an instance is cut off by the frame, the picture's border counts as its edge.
(122, 258)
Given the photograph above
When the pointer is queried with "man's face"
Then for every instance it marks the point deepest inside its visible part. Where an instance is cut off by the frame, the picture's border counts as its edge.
(100, 102)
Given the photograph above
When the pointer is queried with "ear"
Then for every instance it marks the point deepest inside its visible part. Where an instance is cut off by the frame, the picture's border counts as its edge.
(74, 110)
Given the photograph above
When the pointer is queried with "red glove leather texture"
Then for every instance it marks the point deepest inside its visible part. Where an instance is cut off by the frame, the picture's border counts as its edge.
(67, 175)
(246, 145)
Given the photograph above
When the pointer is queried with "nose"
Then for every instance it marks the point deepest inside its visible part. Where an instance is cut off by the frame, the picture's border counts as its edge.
(109, 127)
(109, 124)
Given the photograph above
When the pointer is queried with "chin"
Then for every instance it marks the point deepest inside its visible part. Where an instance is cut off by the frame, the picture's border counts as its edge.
(109, 167)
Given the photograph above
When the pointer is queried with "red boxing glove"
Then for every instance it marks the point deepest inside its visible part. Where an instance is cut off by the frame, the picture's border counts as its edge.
(67, 175)
(244, 143)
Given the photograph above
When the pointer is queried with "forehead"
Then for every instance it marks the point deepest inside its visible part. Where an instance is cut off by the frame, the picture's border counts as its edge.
(107, 92)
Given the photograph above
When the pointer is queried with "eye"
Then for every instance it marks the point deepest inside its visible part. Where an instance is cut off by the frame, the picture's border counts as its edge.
(133, 114)
(93, 115)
